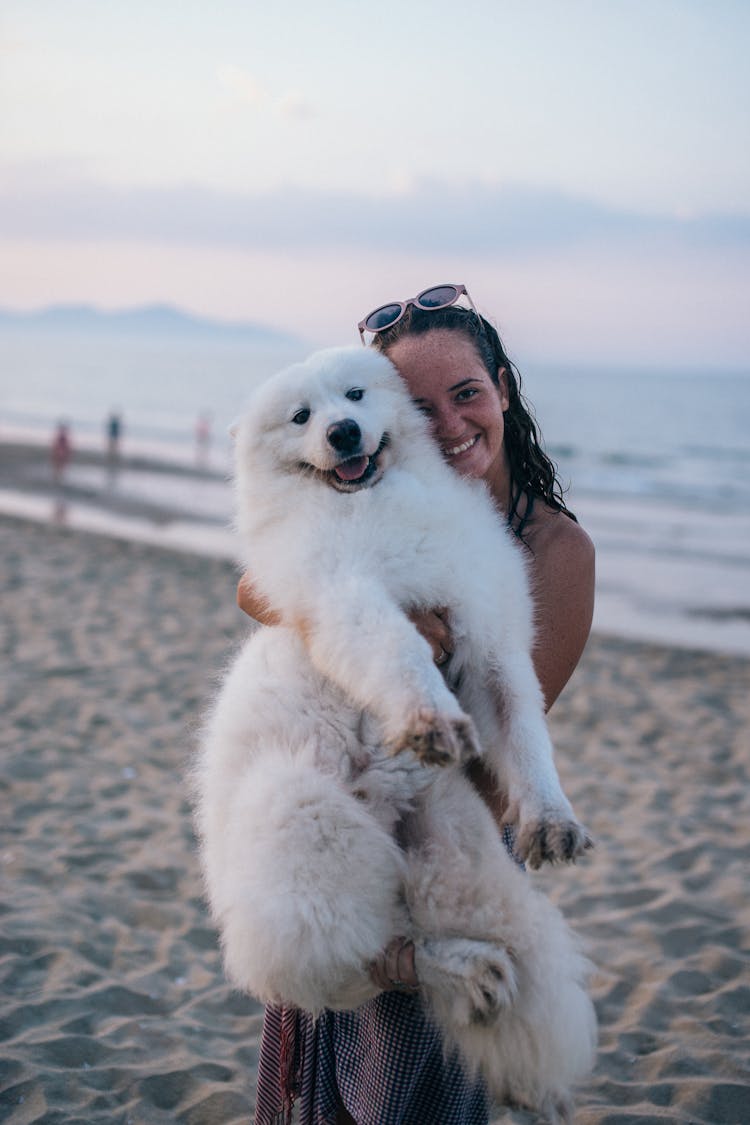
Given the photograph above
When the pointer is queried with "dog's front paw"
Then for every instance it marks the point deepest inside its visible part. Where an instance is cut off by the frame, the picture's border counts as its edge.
(439, 740)
(551, 836)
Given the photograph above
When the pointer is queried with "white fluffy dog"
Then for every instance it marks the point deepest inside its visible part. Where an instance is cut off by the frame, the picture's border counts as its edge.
(332, 810)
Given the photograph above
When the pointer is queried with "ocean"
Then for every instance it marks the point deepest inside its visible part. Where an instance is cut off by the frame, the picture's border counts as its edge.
(656, 461)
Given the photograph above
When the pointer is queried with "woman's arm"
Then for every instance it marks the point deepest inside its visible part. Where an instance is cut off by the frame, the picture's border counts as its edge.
(563, 587)
(562, 573)
(432, 624)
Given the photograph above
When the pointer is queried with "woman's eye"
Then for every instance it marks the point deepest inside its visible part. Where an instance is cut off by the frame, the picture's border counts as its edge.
(466, 393)
(301, 416)
(355, 394)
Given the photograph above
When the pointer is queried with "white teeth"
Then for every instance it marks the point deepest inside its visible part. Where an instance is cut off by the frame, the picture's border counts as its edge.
(460, 448)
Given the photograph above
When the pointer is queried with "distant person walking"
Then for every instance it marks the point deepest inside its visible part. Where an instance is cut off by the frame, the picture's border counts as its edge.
(61, 451)
(114, 434)
(202, 438)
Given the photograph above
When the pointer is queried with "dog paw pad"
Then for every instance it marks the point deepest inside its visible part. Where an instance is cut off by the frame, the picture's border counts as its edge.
(492, 985)
(548, 840)
(439, 740)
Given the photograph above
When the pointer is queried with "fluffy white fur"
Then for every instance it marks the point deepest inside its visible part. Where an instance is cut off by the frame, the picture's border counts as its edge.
(334, 734)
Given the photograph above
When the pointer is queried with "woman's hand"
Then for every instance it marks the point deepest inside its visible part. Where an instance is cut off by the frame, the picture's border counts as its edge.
(253, 604)
(434, 625)
(394, 968)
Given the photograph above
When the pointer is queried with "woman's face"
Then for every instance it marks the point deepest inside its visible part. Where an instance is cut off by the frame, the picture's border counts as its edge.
(450, 384)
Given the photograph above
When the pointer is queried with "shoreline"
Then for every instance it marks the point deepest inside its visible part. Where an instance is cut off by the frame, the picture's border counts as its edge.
(665, 574)
(114, 1006)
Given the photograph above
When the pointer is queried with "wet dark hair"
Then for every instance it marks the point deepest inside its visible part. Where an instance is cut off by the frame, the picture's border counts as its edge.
(533, 473)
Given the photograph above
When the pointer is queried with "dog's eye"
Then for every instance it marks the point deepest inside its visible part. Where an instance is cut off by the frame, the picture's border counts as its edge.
(301, 416)
(355, 394)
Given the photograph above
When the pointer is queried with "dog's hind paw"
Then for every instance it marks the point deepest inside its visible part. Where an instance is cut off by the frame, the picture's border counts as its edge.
(491, 986)
(439, 740)
(475, 980)
(549, 838)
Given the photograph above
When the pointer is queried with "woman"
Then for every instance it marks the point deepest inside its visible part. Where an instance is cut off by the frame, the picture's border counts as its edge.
(384, 1063)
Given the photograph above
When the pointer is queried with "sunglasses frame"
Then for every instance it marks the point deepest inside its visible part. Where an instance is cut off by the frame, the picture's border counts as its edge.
(461, 291)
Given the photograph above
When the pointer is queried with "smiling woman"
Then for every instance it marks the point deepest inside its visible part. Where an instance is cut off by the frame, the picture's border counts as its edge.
(466, 415)
(458, 371)
(459, 374)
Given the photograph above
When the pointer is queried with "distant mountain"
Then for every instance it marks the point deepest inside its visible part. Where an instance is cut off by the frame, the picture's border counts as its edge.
(146, 320)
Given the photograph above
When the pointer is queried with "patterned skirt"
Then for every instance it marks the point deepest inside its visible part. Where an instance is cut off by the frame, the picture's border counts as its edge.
(385, 1063)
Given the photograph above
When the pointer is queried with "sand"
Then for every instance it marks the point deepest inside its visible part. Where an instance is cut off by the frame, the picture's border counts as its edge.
(113, 1007)
(134, 486)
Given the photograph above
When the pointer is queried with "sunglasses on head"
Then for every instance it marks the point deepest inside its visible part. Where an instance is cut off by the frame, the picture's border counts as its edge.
(436, 297)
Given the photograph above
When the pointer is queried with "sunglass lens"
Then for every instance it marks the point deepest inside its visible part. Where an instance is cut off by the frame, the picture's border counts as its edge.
(438, 297)
(382, 318)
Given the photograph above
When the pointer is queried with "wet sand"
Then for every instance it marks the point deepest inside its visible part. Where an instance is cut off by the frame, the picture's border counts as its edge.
(133, 485)
(113, 1007)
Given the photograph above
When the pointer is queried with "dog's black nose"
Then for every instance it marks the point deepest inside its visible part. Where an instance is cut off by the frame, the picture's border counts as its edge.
(344, 436)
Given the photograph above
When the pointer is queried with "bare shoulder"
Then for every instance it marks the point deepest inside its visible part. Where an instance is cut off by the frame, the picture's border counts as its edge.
(556, 540)
(562, 567)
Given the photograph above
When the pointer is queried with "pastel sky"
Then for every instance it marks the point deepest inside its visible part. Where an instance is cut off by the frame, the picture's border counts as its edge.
(583, 166)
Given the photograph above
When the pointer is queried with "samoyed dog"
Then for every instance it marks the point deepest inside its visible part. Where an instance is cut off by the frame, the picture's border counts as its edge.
(331, 803)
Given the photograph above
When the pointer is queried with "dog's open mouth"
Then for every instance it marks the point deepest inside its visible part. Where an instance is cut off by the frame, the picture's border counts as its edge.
(356, 472)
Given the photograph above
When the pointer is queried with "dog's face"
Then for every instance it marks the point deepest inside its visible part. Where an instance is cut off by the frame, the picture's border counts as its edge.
(336, 416)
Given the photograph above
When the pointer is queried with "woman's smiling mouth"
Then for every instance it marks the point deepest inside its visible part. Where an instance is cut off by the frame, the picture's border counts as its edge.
(454, 451)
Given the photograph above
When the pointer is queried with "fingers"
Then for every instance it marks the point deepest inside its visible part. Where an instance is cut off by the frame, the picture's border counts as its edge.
(378, 975)
(254, 604)
(442, 640)
(399, 962)
(394, 968)
(245, 593)
(434, 625)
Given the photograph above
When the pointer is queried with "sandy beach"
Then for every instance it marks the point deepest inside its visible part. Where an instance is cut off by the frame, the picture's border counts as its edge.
(113, 1006)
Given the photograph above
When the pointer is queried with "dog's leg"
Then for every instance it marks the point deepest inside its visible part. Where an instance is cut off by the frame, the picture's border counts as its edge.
(513, 998)
(304, 886)
(521, 756)
(359, 637)
(528, 1028)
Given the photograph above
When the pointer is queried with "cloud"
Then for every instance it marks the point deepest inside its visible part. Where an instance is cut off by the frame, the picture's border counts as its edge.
(244, 90)
(428, 217)
(241, 85)
(294, 104)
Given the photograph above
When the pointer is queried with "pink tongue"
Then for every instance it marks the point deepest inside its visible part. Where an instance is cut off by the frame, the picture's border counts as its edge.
(351, 469)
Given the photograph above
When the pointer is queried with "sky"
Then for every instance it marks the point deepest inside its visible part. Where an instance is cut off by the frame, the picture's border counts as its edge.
(582, 166)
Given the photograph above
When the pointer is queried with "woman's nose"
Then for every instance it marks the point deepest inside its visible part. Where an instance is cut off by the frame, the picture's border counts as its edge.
(446, 422)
